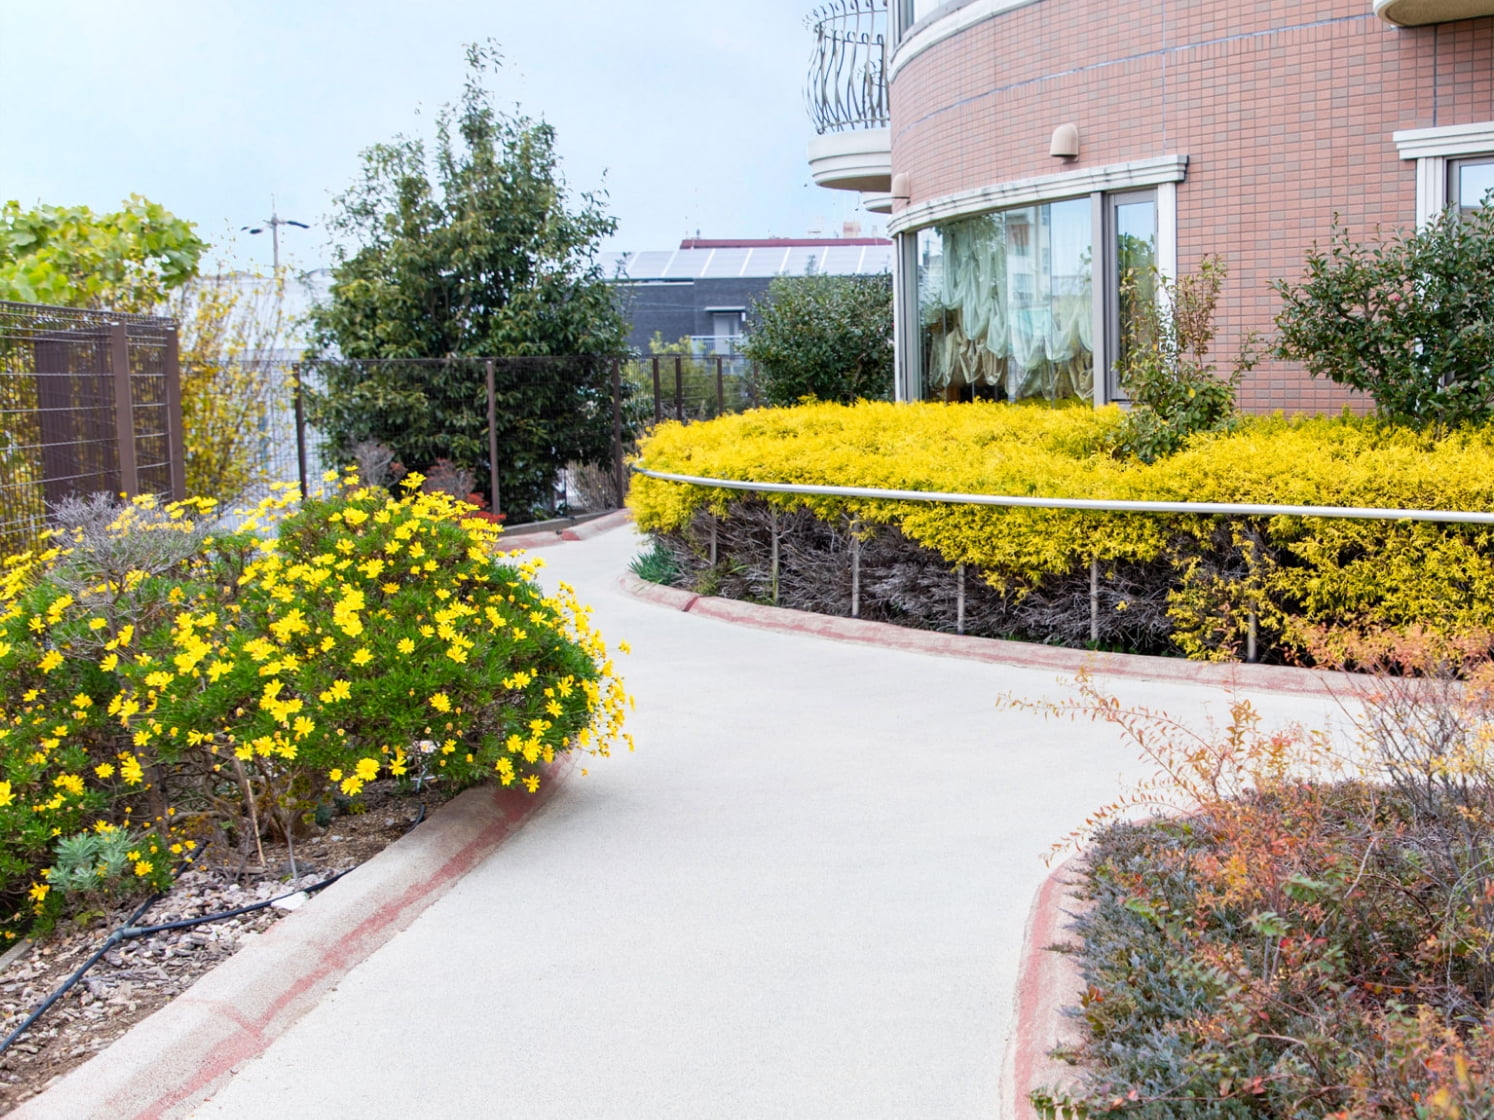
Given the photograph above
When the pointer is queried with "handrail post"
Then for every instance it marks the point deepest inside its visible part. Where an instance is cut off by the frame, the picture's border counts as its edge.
(855, 569)
(960, 599)
(1094, 599)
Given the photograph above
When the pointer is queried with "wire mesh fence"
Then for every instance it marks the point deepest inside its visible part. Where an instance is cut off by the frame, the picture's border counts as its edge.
(89, 401)
(687, 387)
(93, 402)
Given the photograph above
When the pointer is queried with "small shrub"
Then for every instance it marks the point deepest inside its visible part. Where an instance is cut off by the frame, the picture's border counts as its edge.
(826, 337)
(1314, 936)
(656, 565)
(1408, 320)
(1174, 390)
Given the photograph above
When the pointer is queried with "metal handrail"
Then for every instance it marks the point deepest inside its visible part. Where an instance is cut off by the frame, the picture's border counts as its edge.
(847, 83)
(1460, 517)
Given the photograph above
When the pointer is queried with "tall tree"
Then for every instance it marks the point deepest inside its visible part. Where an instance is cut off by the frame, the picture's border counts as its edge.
(69, 256)
(472, 251)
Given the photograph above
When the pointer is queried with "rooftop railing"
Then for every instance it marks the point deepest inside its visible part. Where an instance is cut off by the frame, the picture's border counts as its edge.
(847, 85)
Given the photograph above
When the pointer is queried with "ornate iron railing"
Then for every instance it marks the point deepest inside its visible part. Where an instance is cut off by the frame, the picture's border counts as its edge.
(847, 86)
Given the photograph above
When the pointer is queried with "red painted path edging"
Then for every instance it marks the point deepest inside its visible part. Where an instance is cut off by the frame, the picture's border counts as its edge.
(169, 1063)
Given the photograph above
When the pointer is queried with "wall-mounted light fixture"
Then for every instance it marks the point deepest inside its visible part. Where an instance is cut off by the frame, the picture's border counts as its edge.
(902, 186)
(1065, 142)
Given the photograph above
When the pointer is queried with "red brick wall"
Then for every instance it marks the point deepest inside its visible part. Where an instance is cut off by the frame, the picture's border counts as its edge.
(1285, 110)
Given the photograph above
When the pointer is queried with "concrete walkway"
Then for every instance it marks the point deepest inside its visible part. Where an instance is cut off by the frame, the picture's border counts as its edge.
(803, 896)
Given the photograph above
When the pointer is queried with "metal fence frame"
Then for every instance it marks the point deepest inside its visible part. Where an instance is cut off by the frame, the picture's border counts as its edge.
(89, 400)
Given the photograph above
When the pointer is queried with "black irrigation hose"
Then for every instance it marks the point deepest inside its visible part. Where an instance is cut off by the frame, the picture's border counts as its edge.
(130, 930)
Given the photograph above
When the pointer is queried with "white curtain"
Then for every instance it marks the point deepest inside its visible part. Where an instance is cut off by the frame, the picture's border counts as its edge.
(1006, 302)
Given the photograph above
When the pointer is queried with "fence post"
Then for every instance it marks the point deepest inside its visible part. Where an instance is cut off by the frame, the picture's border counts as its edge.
(720, 389)
(960, 599)
(855, 569)
(492, 439)
(658, 394)
(773, 571)
(124, 409)
(619, 470)
(679, 388)
(298, 405)
(1094, 599)
(176, 439)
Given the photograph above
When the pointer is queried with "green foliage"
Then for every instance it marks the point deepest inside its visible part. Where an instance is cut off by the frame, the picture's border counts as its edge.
(1408, 320)
(470, 252)
(128, 260)
(1174, 390)
(656, 565)
(193, 688)
(102, 862)
(826, 337)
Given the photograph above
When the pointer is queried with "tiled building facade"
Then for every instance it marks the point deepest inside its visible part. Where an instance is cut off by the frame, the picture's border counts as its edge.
(1239, 129)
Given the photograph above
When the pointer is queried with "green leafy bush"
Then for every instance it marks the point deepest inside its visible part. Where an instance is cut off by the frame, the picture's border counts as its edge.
(1174, 390)
(191, 688)
(1409, 320)
(826, 337)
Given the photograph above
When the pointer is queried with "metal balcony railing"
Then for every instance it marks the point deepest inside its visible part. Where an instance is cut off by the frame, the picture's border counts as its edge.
(847, 85)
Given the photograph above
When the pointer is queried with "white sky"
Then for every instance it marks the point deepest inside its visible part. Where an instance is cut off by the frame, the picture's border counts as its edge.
(689, 115)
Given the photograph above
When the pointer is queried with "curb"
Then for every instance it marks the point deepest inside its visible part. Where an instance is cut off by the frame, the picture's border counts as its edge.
(172, 1061)
(997, 651)
(1047, 982)
(525, 538)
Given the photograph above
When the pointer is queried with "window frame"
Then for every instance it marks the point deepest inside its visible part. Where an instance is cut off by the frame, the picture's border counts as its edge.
(1105, 309)
(1434, 150)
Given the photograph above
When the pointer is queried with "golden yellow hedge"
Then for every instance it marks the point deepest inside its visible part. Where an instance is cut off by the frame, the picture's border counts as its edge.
(1300, 572)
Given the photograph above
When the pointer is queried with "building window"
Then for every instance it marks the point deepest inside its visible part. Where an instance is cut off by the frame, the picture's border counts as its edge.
(1006, 301)
(1454, 166)
(1469, 182)
(1005, 310)
(1131, 274)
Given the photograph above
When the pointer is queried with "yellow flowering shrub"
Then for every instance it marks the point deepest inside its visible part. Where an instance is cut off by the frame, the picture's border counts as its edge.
(166, 681)
(1293, 574)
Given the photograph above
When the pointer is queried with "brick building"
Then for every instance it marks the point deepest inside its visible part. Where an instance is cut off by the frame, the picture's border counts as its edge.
(1031, 151)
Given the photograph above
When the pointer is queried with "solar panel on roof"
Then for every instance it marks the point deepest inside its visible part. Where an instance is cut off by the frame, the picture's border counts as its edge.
(649, 265)
(726, 263)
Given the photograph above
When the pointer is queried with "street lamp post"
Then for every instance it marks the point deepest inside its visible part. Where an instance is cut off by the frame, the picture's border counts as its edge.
(274, 222)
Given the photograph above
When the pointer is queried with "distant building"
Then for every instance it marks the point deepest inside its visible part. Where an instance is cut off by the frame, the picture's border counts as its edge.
(703, 289)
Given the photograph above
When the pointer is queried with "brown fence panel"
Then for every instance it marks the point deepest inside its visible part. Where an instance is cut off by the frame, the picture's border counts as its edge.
(89, 402)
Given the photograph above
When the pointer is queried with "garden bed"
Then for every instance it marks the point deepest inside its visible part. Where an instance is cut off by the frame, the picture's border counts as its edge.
(140, 976)
(1204, 587)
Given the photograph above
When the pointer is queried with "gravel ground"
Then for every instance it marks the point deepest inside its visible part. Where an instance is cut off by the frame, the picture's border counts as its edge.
(140, 975)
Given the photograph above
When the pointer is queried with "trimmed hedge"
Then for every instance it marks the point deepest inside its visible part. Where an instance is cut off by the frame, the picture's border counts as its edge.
(1296, 575)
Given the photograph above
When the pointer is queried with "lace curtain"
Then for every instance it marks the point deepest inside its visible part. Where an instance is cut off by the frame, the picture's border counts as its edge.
(1007, 304)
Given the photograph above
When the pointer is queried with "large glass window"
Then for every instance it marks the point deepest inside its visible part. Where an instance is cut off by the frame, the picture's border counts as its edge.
(1469, 182)
(1005, 307)
(1132, 224)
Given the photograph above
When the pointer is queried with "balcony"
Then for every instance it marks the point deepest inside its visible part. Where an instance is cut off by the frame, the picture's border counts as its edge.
(846, 94)
(1416, 13)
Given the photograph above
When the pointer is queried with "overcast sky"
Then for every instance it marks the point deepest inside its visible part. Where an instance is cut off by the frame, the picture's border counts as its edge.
(687, 115)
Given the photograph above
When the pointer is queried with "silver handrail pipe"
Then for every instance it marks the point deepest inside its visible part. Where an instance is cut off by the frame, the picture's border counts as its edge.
(1097, 505)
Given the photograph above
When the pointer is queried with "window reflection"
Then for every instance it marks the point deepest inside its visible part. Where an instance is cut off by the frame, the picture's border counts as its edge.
(1005, 305)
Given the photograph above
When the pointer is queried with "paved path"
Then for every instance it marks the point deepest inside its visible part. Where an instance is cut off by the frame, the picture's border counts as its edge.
(803, 896)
